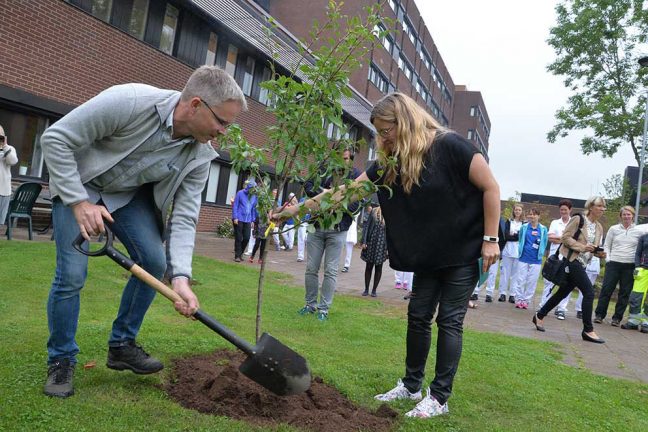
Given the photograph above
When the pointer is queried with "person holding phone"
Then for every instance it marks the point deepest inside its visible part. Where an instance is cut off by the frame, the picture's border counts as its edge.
(8, 158)
(418, 207)
(578, 247)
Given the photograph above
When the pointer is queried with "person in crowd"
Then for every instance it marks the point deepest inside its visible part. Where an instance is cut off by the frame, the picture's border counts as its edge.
(351, 240)
(260, 240)
(490, 287)
(638, 318)
(404, 280)
(593, 269)
(531, 248)
(302, 234)
(556, 228)
(620, 246)
(288, 229)
(8, 158)
(421, 210)
(244, 213)
(276, 238)
(510, 255)
(136, 158)
(374, 249)
(325, 243)
(579, 243)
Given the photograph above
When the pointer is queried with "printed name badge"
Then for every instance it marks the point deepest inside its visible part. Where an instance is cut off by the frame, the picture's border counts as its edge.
(535, 246)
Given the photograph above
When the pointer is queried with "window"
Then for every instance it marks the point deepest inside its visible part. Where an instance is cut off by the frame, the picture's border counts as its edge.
(473, 111)
(404, 65)
(248, 76)
(23, 132)
(230, 64)
(377, 77)
(137, 23)
(169, 29)
(221, 185)
(263, 93)
(471, 134)
(409, 30)
(212, 46)
(392, 4)
(101, 9)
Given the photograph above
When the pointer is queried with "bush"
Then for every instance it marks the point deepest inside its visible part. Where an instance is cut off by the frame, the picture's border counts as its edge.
(225, 229)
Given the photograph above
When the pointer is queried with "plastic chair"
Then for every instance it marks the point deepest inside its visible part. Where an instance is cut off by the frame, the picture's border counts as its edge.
(21, 206)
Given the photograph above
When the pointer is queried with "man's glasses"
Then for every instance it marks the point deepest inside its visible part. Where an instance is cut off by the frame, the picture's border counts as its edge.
(384, 132)
(222, 122)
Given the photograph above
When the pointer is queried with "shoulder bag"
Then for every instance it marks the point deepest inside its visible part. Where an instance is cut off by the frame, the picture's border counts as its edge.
(554, 267)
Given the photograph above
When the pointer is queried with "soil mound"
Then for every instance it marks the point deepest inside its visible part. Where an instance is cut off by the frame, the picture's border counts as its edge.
(212, 384)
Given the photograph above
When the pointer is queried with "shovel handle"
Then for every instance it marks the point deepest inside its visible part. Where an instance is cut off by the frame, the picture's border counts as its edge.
(158, 286)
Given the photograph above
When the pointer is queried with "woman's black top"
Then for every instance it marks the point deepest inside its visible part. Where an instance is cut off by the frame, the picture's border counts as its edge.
(440, 223)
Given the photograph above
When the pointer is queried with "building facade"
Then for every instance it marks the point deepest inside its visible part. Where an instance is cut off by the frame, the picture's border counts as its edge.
(59, 53)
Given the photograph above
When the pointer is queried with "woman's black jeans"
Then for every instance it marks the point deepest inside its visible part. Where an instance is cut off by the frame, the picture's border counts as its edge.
(576, 278)
(623, 274)
(449, 290)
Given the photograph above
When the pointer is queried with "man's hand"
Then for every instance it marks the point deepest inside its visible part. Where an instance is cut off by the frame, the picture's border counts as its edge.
(190, 304)
(90, 218)
(235, 221)
(285, 214)
(490, 254)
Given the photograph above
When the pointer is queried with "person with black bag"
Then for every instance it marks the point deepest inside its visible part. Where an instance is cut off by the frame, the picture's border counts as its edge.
(579, 240)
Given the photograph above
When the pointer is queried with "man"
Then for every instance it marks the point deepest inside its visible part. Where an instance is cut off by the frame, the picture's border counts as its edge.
(137, 158)
(244, 213)
(8, 158)
(556, 229)
(325, 243)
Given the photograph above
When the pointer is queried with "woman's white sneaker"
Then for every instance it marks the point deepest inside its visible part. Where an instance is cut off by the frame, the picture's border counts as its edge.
(428, 407)
(398, 392)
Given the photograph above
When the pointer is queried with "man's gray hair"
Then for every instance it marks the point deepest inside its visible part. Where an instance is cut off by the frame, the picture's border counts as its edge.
(213, 85)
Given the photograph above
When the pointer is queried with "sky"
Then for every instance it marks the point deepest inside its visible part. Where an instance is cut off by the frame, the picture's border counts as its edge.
(499, 48)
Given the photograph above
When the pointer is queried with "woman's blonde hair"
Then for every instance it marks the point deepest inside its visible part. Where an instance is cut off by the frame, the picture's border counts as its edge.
(521, 214)
(415, 132)
(591, 202)
(628, 209)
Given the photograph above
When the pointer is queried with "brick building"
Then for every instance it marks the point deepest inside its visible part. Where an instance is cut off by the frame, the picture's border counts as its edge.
(59, 53)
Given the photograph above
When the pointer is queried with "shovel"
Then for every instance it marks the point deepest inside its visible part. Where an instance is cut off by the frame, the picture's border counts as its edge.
(269, 363)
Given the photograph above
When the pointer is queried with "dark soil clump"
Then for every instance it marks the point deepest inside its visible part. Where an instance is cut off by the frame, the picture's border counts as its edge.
(212, 384)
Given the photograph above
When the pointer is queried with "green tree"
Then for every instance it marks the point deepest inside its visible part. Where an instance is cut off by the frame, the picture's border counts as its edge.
(597, 44)
(617, 194)
(303, 102)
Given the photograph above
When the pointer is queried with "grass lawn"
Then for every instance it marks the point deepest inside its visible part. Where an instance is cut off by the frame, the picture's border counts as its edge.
(504, 383)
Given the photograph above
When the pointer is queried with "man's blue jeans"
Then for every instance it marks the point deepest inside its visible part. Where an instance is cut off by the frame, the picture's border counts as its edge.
(137, 228)
(327, 244)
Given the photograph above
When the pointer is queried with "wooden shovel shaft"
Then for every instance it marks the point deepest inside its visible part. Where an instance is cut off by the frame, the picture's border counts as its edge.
(201, 316)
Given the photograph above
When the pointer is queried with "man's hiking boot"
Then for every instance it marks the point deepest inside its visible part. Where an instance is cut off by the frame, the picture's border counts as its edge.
(60, 375)
(129, 355)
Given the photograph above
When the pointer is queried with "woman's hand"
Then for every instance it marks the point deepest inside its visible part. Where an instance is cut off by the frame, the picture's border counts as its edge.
(590, 247)
(490, 254)
(285, 214)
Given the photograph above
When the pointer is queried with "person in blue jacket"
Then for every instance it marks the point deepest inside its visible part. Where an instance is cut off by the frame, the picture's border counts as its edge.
(244, 213)
(532, 243)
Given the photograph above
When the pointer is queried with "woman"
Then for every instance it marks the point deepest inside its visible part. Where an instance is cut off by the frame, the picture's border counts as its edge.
(351, 240)
(620, 245)
(510, 255)
(288, 230)
(374, 249)
(578, 247)
(531, 248)
(8, 158)
(441, 192)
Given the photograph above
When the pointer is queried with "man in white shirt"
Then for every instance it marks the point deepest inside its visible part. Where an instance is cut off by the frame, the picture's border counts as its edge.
(555, 233)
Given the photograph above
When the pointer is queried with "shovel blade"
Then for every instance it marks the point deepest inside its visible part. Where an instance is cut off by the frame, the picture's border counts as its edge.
(277, 367)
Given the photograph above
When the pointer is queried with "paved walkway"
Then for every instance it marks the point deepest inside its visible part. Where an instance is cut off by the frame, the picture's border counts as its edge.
(625, 354)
